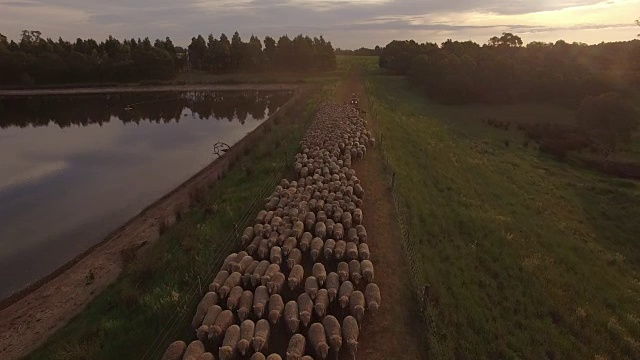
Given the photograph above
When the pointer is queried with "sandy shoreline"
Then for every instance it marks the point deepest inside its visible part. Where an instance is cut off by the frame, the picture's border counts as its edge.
(29, 317)
(159, 88)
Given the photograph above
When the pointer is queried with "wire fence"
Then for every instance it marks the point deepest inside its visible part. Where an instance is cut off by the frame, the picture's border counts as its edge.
(175, 325)
(417, 283)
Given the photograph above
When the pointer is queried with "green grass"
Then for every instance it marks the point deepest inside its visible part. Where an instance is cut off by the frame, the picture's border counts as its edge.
(123, 321)
(527, 258)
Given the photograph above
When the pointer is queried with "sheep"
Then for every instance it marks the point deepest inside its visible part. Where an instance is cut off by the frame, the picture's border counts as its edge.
(344, 293)
(202, 333)
(366, 268)
(263, 249)
(227, 260)
(363, 251)
(261, 336)
(276, 306)
(318, 339)
(352, 251)
(330, 226)
(329, 246)
(272, 239)
(295, 276)
(357, 216)
(175, 350)
(343, 271)
(334, 333)
(320, 273)
(356, 305)
(355, 271)
(234, 298)
(316, 248)
(297, 345)
(219, 280)
(346, 219)
(271, 270)
(362, 233)
(337, 215)
(305, 241)
(352, 235)
(248, 274)
(291, 316)
(320, 230)
(206, 356)
(340, 250)
(260, 217)
(258, 356)
(276, 283)
(322, 216)
(247, 329)
(309, 221)
(231, 338)
(298, 229)
(245, 305)
(311, 287)
(332, 284)
(321, 303)
(274, 357)
(294, 258)
(260, 300)
(235, 279)
(235, 261)
(220, 326)
(350, 333)
(372, 297)
(209, 299)
(306, 357)
(266, 231)
(276, 255)
(258, 272)
(194, 349)
(252, 248)
(289, 244)
(305, 308)
(247, 236)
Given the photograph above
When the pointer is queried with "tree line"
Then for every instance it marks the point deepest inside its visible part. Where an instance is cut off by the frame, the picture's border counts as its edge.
(363, 51)
(83, 110)
(34, 60)
(503, 70)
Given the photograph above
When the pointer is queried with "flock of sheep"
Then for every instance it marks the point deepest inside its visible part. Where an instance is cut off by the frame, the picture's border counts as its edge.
(305, 273)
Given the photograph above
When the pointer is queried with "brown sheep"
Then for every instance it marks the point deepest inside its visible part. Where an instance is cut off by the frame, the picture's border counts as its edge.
(231, 338)
(276, 307)
(318, 340)
(245, 305)
(247, 329)
(344, 293)
(296, 348)
(261, 336)
(305, 308)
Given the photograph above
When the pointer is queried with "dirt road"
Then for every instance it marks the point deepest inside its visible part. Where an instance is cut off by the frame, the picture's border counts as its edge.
(394, 332)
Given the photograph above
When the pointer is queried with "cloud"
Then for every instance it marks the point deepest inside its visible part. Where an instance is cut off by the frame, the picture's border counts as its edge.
(344, 22)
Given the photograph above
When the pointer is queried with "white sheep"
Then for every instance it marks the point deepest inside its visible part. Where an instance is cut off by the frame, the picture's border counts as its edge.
(175, 350)
(355, 272)
(209, 299)
(296, 348)
(231, 338)
(366, 268)
(332, 285)
(318, 340)
(245, 305)
(334, 333)
(272, 269)
(276, 307)
(260, 300)
(305, 308)
(343, 271)
(261, 336)
(321, 303)
(372, 297)
(311, 287)
(350, 333)
(247, 329)
(344, 293)
(276, 283)
(320, 273)
(219, 280)
(356, 305)
(291, 316)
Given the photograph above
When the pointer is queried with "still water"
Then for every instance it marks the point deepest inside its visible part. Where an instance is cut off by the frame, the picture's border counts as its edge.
(74, 168)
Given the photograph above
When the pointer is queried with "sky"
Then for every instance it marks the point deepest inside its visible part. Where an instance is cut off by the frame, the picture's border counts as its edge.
(348, 24)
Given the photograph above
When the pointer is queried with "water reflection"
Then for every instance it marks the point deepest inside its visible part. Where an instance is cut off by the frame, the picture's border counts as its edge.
(73, 168)
(166, 107)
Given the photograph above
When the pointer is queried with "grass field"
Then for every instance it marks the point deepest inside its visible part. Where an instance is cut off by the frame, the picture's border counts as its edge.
(123, 321)
(527, 258)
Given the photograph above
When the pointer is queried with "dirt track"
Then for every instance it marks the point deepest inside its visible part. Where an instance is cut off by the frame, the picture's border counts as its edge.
(393, 333)
(121, 89)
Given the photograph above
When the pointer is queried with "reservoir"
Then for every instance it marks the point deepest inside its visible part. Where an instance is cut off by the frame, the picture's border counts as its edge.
(73, 168)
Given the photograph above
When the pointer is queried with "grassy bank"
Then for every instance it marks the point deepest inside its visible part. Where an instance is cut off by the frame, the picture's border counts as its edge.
(123, 321)
(526, 257)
